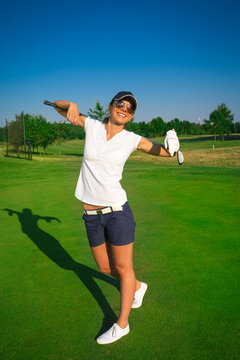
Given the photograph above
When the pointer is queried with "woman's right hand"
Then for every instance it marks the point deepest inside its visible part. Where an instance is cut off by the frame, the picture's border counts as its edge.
(62, 112)
(70, 111)
(73, 113)
(63, 105)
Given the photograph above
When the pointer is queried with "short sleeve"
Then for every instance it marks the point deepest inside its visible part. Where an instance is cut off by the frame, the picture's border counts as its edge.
(91, 123)
(87, 123)
(134, 140)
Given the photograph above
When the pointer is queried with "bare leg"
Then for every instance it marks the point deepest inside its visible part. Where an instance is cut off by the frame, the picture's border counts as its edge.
(122, 256)
(104, 258)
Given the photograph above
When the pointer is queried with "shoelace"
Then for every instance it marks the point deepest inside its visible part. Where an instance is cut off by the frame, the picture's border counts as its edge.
(114, 332)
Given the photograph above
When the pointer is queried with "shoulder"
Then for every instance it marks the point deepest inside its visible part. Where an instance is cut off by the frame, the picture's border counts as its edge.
(132, 138)
(131, 134)
(91, 123)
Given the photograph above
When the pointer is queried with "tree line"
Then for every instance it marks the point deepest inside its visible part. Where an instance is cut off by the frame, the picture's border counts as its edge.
(220, 123)
(40, 133)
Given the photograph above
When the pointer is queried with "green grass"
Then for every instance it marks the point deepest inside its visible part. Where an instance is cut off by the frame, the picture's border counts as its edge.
(53, 299)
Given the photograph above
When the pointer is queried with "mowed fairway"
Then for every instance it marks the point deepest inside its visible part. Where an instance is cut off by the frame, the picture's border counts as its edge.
(54, 301)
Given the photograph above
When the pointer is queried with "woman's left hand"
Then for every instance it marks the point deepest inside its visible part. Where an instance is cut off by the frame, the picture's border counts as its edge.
(171, 142)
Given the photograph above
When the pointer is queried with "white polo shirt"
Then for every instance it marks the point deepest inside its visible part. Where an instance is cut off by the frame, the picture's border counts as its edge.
(102, 166)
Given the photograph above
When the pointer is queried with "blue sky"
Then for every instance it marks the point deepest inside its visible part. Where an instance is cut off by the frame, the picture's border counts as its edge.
(180, 58)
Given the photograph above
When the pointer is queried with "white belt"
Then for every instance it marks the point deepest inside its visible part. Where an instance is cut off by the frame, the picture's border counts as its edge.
(103, 211)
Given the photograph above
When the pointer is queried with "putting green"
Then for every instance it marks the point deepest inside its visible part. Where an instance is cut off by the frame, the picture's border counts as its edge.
(54, 300)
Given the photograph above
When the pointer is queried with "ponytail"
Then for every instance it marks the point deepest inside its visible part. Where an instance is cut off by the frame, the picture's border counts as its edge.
(106, 120)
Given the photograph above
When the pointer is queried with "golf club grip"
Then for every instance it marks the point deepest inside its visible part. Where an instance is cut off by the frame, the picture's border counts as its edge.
(49, 103)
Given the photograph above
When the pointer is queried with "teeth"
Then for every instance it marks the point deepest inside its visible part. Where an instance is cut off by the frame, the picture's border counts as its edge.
(121, 115)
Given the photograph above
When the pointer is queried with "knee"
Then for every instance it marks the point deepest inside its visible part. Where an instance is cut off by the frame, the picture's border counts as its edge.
(124, 270)
(104, 270)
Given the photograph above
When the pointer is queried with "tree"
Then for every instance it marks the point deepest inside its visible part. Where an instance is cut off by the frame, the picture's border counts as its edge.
(38, 131)
(132, 126)
(185, 127)
(174, 124)
(15, 133)
(221, 120)
(236, 127)
(31, 130)
(196, 129)
(59, 131)
(99, 112)
(3, 134)
(157, 127)
(75, 132)
(207, 126)
(47, 136)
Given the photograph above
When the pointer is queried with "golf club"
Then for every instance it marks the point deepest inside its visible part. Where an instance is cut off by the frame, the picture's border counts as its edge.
(180, 156)
(46, 102)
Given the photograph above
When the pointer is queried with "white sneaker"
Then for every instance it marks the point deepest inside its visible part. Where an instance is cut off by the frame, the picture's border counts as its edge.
(113, 334)
(139, 294)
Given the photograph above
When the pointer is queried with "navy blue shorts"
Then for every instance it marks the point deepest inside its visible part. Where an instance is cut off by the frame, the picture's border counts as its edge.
(117, 227)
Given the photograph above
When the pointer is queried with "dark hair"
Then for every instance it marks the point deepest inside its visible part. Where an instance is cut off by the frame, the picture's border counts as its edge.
(106, 119)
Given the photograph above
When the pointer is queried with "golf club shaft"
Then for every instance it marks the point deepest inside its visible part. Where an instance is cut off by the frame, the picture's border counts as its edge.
(49, 103)
(46, 102)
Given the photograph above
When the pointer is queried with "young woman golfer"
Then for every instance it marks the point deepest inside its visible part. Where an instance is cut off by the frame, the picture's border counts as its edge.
(108, 218)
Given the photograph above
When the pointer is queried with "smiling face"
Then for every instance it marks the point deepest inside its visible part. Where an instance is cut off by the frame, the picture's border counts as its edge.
(120, 115)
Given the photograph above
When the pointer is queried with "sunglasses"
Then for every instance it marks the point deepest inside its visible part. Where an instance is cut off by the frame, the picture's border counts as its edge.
(120, 104)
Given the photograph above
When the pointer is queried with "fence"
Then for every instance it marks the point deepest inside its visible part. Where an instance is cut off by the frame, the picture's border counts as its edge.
(16, 144)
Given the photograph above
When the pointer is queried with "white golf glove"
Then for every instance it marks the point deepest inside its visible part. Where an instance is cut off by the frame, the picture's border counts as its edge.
(171, 142)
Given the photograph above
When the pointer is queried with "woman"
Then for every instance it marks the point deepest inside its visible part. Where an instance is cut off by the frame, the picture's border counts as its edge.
(108, 218)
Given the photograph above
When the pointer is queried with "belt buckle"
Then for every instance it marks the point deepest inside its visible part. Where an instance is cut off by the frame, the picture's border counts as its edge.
(99, 212)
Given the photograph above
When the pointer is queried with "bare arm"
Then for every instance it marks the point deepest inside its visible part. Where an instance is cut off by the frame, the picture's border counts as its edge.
(152, 148)
(71, 112)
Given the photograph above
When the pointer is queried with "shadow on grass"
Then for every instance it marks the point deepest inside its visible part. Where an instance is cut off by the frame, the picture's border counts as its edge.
(211, 138)
(22, 157)
(71, 154)
(50, 154)
(55, 252)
